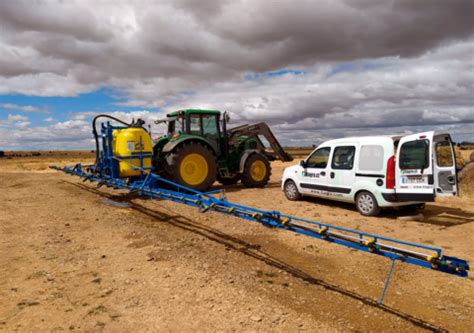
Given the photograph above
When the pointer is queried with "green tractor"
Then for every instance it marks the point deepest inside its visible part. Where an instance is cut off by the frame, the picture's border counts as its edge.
(199, 149)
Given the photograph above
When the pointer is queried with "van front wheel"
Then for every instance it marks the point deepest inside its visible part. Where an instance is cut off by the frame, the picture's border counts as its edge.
(366, 204)
(291, 191)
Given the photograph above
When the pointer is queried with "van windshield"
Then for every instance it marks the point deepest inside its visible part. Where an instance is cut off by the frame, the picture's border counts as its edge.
(414, 155)
(319, 159)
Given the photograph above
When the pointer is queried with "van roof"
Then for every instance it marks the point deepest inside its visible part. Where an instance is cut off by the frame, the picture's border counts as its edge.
(374, 139)
(364, 139)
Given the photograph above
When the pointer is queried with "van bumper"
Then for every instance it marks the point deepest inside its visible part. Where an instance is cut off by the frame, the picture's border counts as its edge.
(405, 197)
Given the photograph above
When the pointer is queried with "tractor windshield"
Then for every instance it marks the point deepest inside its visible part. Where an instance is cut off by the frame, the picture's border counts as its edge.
(176, 126)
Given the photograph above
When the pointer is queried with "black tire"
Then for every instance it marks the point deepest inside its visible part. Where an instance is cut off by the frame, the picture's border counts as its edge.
(228, 181)
(256, 162)
(291, 191)
(174, 160)
(367, 204)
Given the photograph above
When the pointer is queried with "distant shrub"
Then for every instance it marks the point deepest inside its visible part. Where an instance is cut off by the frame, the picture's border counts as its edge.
(2, 153)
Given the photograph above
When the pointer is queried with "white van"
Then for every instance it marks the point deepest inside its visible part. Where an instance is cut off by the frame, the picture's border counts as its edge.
(377, 172)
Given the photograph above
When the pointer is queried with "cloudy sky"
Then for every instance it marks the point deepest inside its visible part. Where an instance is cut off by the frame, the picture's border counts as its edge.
(314, 70)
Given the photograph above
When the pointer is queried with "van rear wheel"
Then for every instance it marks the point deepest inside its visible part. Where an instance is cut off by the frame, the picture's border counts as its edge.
(367, 204)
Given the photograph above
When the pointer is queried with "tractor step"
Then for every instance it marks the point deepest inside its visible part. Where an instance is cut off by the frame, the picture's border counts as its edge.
(223, 169)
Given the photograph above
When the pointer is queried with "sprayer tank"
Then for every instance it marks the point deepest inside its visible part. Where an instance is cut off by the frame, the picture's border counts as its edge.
(127, 146)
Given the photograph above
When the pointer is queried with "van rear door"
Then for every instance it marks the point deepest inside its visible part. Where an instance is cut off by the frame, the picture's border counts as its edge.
(414, 179)
(444, 166)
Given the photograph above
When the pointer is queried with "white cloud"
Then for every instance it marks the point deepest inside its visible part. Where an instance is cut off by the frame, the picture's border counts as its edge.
(368, 65)
(176, 46)
(23, 108)
(75, 133)
(13, 123)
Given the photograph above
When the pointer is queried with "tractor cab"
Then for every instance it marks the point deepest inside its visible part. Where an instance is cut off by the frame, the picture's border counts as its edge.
(204, 124)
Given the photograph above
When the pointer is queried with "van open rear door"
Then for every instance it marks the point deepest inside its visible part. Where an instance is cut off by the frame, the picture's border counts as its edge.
(414, 179)
(444, 166)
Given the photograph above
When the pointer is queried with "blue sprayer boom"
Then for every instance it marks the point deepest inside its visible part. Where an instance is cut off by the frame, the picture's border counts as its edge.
(141, 180)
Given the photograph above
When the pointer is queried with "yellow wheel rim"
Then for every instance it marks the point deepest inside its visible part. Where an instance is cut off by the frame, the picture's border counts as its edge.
(194, 169)
(258, 170)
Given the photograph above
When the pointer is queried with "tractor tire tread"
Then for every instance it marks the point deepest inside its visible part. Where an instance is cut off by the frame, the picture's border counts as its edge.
(247, 179)
(173, 159)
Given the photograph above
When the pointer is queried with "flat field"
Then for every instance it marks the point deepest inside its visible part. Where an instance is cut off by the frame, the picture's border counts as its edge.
(74, 257)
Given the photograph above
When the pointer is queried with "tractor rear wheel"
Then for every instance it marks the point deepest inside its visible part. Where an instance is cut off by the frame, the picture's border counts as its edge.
(192, 165)
(257, 171)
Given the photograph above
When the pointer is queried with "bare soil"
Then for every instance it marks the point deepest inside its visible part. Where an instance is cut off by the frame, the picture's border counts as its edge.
(74, 257)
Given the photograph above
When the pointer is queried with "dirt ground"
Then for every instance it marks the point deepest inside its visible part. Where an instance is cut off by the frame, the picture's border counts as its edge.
(77, 258)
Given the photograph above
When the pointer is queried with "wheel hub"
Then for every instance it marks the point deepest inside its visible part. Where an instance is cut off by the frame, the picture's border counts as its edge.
(258, 170)
(291, 190)
(194, 169)
(366, 204)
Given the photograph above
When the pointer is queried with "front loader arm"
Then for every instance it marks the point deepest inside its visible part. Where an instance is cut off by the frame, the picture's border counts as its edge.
(262, 129)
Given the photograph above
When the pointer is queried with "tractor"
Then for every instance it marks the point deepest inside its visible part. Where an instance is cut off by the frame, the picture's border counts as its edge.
(199, 149)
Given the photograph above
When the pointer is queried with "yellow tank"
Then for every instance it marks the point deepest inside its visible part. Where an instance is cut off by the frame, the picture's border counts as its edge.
(126, 146)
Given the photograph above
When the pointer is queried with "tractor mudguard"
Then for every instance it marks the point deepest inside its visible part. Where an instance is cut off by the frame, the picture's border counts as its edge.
(244, 158)
(174, 143)
(159, 144)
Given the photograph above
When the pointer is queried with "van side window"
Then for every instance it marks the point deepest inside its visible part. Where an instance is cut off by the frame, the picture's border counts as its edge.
(371, 158)
(444, 157)
(414, 155)
(343, 158)
(319, 159)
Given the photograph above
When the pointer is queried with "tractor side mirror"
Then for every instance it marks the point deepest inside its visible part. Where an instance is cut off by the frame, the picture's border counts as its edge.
(227, 117)
(303, 164)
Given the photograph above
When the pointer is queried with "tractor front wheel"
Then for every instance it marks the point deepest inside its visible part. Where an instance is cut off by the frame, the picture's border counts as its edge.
(192, 165)
(257, 171)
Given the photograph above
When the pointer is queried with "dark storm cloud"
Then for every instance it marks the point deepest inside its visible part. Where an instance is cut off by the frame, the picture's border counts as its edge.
(207, 40)
(56, 18)
(308, 31)
(365, 64)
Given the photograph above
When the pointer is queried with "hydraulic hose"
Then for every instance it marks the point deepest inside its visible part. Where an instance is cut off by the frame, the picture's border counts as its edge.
(96, 136)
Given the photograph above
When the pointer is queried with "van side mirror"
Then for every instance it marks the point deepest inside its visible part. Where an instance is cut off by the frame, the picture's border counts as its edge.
(303, 164)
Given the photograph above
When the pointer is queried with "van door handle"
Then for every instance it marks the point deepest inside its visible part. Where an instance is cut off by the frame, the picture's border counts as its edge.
(451, 180)
(332, 175)
(323, 173)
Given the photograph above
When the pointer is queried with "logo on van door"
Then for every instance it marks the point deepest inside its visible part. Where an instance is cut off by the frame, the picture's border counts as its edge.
(327, 193)
(409, 171)
(414, 180)
(310, 174)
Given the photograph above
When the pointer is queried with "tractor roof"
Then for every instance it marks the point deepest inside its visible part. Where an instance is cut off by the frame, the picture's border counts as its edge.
(192, 111)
